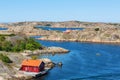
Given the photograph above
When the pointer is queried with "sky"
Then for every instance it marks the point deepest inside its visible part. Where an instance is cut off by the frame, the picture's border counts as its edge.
(60, 10)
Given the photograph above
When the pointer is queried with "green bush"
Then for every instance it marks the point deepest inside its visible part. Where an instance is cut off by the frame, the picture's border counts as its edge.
(6, 46)
(29, 46)
(16, 48)
(34, 57)
(5, 58)
(0, 48)
(97, 29)
(2, 38)
(7, 34)
(20, 45)
(11, 35)
(32, 44)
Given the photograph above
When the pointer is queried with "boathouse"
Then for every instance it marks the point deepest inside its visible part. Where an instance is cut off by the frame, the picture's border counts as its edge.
(32, 65)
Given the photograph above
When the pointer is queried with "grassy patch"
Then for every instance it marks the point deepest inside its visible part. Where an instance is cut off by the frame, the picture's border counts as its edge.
(7, 34)
(21, 45)
(34, 57)
(5, 58)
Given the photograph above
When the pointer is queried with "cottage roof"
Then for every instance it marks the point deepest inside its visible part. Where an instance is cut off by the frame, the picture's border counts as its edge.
(29, 62)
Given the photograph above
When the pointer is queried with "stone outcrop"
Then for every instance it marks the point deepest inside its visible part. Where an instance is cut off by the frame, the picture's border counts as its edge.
(103, 35)
(48, 63)
(66, 24)
(8, 70)
(47, 50)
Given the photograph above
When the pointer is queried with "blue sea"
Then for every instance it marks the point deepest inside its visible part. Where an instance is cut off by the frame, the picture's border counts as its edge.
(85, 61)
(3, 28)
(57, 29)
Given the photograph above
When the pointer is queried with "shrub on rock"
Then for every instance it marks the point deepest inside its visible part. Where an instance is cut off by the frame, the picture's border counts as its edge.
(5, 58)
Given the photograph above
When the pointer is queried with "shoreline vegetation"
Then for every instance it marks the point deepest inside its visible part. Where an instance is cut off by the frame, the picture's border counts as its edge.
(18, 44)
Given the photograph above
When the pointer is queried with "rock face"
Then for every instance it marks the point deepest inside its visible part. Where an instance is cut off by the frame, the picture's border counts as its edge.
(6, 32)
(8, 70)
(81, 24)
(21, 29)
(5, 69)
(60, 64)
(47, 50)
(3, 25)
(105, 35)
(48, 63)
(57, 50)
(65, 24)
(28, 30)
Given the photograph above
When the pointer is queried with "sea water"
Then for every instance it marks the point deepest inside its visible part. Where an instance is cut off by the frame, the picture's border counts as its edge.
(85, 61)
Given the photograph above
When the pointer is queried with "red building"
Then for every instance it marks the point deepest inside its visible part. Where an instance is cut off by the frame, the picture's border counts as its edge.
(32, 65)
(67, 31)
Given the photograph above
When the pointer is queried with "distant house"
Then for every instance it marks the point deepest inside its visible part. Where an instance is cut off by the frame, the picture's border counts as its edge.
(32, 65)
(67, 31)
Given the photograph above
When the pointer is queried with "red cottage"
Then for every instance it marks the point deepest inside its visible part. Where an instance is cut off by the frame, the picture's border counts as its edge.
(32, 65)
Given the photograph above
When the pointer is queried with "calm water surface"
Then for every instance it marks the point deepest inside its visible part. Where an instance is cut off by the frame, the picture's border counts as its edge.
(57, 29)
(85, 61)
(3, 28)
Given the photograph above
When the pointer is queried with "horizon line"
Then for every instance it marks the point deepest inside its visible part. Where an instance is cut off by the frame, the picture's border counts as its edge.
(60, 21)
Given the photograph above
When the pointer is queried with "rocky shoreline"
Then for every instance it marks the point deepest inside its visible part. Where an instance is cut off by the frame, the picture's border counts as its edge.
(85, 41)
(102, 35)
(47, 50)
(11, 71)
